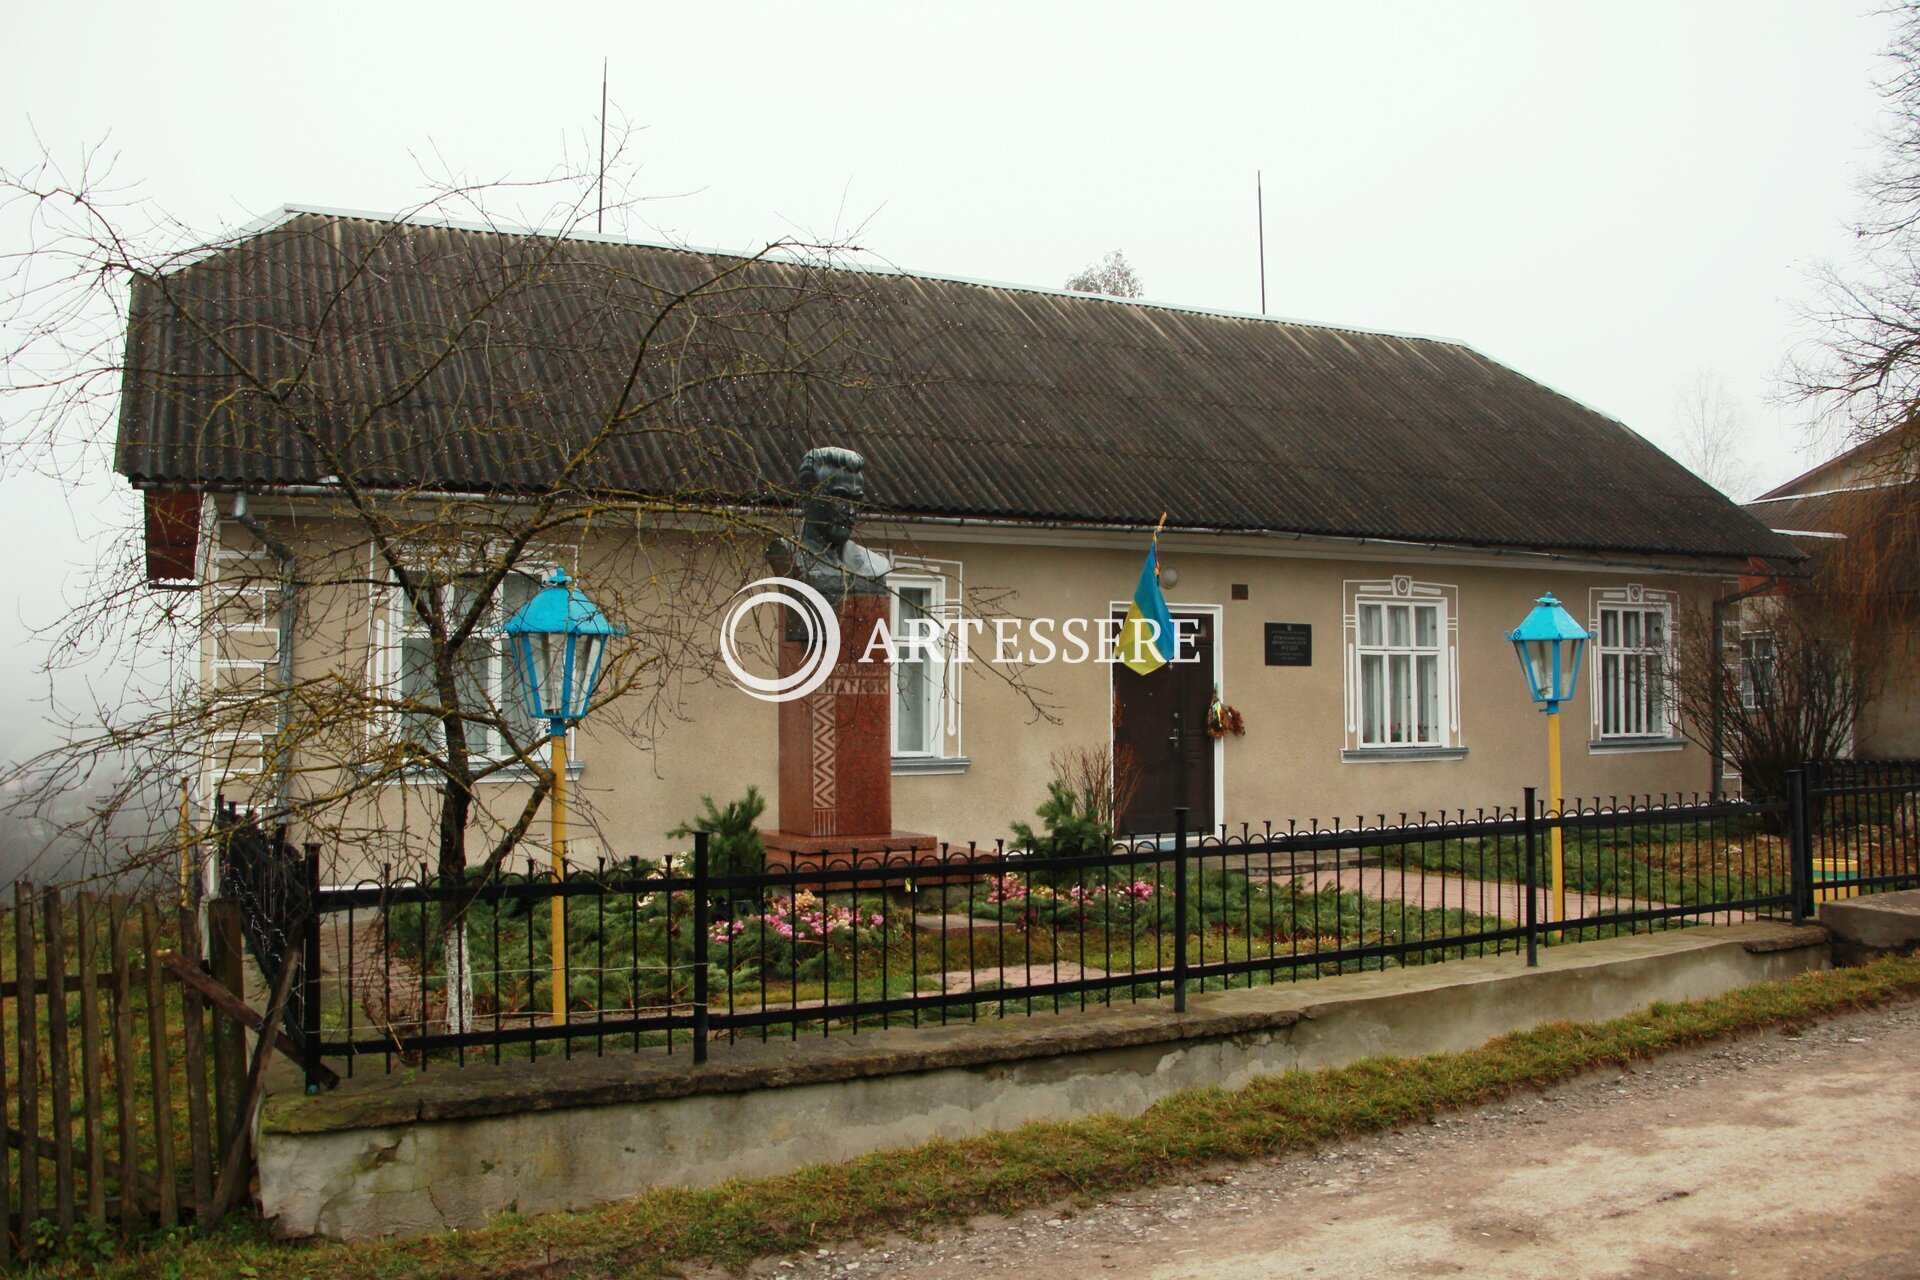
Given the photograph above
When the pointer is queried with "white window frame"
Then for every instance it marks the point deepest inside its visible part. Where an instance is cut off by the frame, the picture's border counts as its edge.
(1662, 723)
(396, 622)
(1387, 593)
(942, 750)
(1751, 643)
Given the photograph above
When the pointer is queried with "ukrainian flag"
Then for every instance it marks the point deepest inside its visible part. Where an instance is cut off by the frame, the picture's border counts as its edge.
(1147, 637)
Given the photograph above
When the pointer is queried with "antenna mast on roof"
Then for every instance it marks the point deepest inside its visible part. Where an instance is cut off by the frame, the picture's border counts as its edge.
(1260, 217)
(600, 192)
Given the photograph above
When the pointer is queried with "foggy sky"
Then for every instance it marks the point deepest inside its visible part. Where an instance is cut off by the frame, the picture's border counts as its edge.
(1609, 198)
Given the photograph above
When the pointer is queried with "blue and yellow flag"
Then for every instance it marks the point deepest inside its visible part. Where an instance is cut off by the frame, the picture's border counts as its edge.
(1147, 638)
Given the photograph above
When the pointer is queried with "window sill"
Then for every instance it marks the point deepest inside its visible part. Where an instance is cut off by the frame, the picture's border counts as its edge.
(1608, 746)
(1387, 755)
(909, 766)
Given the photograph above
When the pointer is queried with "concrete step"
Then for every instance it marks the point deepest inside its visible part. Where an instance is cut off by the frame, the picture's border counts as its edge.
(1873, 925)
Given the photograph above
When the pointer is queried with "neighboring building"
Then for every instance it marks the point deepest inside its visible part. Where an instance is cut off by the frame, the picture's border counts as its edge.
(1861, 504)
(1353, 518)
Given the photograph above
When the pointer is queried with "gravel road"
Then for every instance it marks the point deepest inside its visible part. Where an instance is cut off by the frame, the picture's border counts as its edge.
(1792, 1155)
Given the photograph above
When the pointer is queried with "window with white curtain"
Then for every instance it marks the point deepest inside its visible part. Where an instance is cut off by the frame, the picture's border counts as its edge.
(1400, 660)
(1402, 667)
(1633, 664)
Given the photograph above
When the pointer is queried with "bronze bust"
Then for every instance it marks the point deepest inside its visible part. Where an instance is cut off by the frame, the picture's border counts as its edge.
(826, 557)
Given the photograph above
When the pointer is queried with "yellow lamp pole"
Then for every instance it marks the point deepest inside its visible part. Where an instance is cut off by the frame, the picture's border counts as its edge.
(558, 744)
(1550, 644)
(558, 639)
(1557, 904)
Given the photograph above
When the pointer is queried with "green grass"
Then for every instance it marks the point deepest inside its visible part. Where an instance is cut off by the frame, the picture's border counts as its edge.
(1650, 862)
(944, 1182)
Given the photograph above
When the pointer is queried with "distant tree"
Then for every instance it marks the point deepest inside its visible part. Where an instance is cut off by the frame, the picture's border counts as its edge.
(1862, 376)
(1710, 435)
(1112, 275)
(1864, 373)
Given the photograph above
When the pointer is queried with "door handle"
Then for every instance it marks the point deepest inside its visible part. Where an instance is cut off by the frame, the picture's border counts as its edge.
(1177, 738)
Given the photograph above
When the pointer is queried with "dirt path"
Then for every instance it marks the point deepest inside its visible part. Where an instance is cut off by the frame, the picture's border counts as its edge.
(1777, 1155)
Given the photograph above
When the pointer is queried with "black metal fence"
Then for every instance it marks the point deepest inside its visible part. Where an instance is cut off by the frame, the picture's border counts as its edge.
(666, 957)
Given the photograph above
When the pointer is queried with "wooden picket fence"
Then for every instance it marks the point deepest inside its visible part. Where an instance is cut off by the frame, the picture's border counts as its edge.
(121, 1090)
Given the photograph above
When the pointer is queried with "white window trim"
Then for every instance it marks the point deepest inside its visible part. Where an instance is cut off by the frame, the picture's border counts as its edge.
(944, 580)
(1403, 589)
(1748, 700)
(1633, 596)
(387, 629)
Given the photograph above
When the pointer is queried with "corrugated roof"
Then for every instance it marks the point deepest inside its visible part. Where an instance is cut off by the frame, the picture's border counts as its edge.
(1872, 532)
(417, 355)
(1832, 512)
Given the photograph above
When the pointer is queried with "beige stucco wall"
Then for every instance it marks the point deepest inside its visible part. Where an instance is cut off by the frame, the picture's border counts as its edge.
(1889, 727)
(1289, 764)
(644, 767)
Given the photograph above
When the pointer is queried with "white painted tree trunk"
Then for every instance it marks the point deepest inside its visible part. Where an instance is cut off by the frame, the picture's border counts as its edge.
(459, 977)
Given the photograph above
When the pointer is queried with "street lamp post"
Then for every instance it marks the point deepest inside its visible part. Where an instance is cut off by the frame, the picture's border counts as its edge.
(559, 640)
(1550, 644)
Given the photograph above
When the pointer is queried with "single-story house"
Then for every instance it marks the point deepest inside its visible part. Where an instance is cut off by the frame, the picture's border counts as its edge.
(1857, 516)
(1352, 521)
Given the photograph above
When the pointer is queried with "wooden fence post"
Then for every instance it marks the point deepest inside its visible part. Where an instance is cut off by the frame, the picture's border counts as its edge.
(124, 1070)
(194, 1054)
(227, 959)
(233, 1162)
(28, 1061)
(6, 1191)
(59, 1061)
(87, 908)
(162, 1076)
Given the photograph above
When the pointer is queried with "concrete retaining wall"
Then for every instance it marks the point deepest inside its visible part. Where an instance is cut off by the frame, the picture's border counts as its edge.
(407, 1155)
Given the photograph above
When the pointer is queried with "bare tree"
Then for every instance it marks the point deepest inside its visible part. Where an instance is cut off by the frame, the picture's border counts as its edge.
(1112, 275)
(1711, 435)
(375, 437)
(1107, 781)
(374, 474)
(1863, 372)
(1792, 679)
(1791, 687)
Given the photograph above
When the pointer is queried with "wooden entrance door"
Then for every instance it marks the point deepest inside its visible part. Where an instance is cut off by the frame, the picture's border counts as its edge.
(1160, 726)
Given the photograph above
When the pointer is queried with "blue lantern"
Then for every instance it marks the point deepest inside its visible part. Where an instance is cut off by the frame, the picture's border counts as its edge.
(559, 639)
(1550, 644)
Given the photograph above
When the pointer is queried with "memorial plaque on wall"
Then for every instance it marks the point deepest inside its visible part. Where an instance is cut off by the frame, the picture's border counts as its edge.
(1289, 644)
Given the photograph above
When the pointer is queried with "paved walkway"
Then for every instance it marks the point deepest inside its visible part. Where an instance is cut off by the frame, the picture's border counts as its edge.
(1434, 891)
